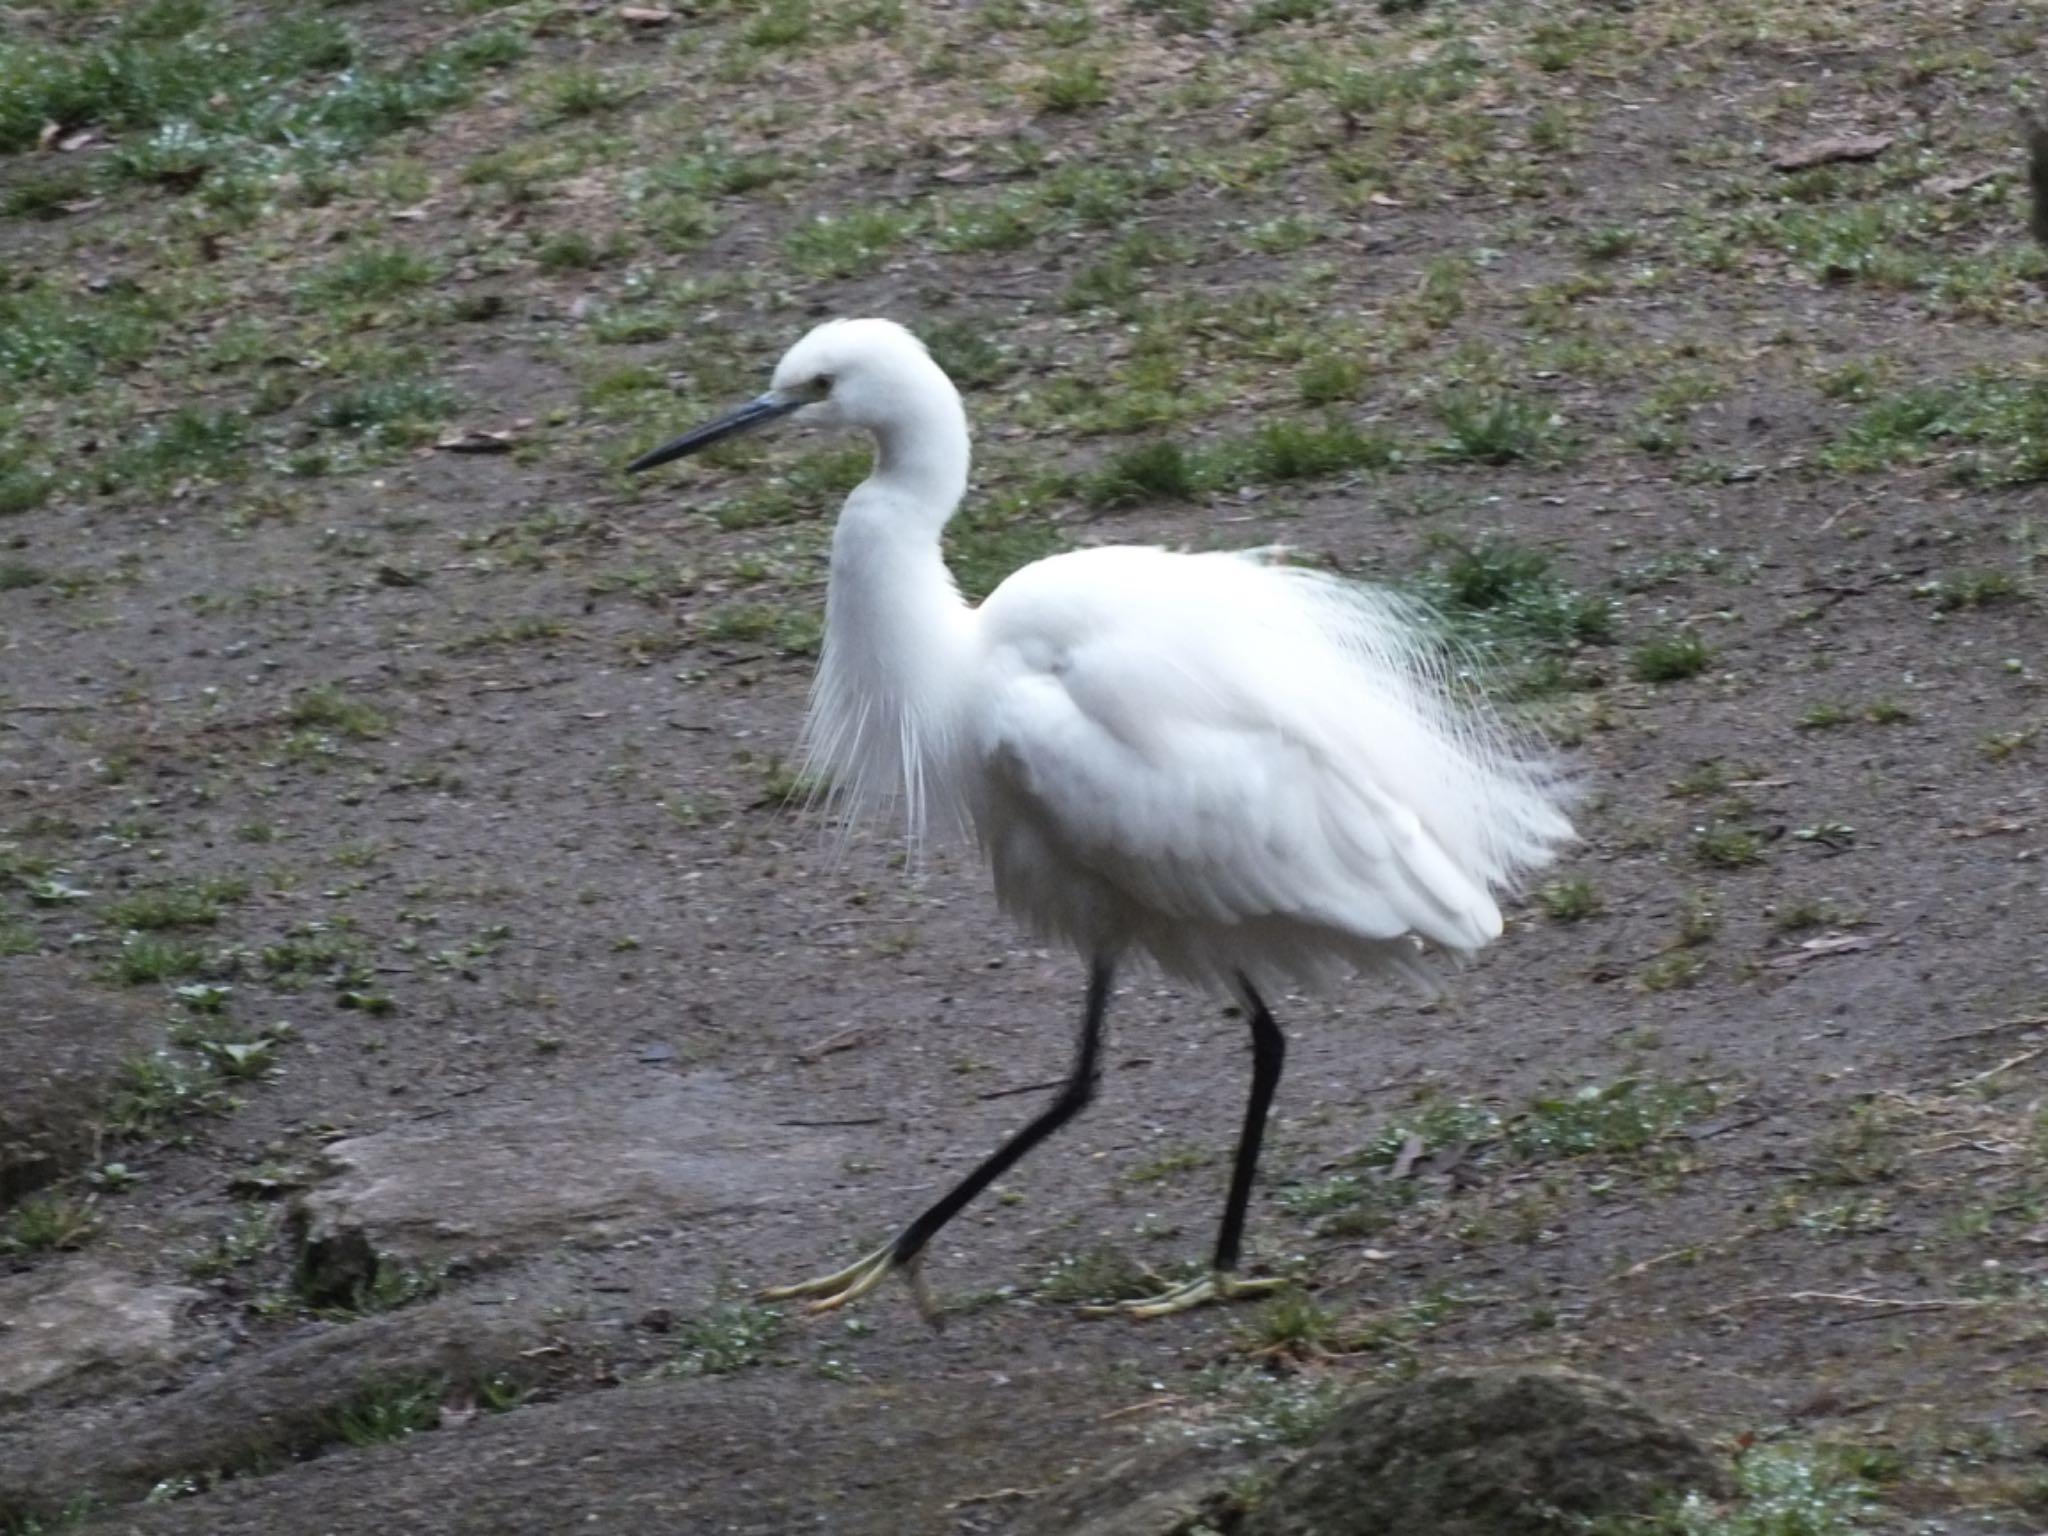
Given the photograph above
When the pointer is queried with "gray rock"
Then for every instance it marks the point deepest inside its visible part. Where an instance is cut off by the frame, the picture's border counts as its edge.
(62, 1039)
(80, 1326)
(500, 1181)
(257, 1411)
(1484, 1453)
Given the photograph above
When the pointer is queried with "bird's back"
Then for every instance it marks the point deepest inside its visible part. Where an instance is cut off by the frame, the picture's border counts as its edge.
(1239, 765)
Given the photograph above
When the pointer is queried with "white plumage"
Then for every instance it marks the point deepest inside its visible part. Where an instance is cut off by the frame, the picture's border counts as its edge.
(1251, 772)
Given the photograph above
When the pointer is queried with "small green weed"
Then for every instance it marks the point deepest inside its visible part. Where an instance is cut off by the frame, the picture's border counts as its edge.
(144, 958)
(1100, 1275)
(1158, 469)
(1727, 845)
(730, 1337)
(1072, 85)
(1495, 426)
(1786, 1490)
(368, 274)
(152, 1093)
(245, 1241)
(1671, 656)
(846, 244)
(1614, 1119)
(44, 1223)
(391, 1411)
(1170, 1163)
(1569, 901)
(327, 708)
(195, 905)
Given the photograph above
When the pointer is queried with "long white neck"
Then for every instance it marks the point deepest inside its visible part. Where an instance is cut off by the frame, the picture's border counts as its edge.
(898, 637)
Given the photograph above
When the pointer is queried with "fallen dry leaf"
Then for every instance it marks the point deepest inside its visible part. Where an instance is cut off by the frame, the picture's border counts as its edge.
(1949, 186)
(1847, 146)
(478, 442)
(1815, 949)
(645, 16)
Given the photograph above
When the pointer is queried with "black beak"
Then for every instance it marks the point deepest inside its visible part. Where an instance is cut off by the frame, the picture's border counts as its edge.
(755, 413)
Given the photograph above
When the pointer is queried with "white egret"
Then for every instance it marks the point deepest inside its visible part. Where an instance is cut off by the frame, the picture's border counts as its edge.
(1252, 773)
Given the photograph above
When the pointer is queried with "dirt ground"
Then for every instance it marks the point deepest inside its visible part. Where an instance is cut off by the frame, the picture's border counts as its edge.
(426, 1018)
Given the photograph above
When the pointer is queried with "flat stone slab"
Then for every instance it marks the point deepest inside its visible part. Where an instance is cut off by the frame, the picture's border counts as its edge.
(506, 1180)
(83, 1325)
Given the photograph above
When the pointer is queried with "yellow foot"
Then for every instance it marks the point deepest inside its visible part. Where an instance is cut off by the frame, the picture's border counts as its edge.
(835, 1290)
(1217, 1285)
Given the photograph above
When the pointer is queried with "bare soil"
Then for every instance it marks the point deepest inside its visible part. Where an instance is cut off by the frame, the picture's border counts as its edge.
(591, 1034)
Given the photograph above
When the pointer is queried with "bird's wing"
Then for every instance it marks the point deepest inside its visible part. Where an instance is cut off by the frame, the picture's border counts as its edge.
(1149, 766)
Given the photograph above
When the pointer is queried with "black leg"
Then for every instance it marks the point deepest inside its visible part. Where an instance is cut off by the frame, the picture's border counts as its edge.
(1269, 1052)
(1073, 1098)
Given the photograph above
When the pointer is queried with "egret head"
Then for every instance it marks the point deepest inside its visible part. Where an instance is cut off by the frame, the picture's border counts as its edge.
(871, 374)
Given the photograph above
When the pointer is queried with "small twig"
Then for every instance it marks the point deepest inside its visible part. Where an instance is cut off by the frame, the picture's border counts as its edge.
(1846, 1299)
(2024, 1021)
(1645, 1265)
(1149, 1406)
(834, 1124)
(1011, 1093)
(2004, 1066)
(995, 1496)
(845, 1040)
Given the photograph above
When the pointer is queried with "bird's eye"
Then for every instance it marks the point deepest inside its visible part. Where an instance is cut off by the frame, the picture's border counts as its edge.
(820, 387)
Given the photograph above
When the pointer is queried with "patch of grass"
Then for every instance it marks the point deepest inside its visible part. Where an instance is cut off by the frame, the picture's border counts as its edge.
(1613, 1119)
(144, 958)
(191, 440)
(791, 629)
(1437, 1123)
(1786, 1490)
(327, 708)
(582, 92)
(391, 1411)
(1158, 469)
(195, 905)
(1674, 968)
(1072, 85)
(397, 411)
(309, 953)
(730, 1337)
(1498, 592)
(1100, 1275)
(1672, 656)
(1727, 845)
(1348, 1205)
(243, 1242)
(67, 342)
(1498, 426)
(369, 273)
(1991, 428)
(970, 357)
(1330, 378)
(1569, 901)
(221, 105)
(1611, 242)
(1170, 1163)
(1971, 589)
(1292, 1322)
(152, 1093)
(846, 244)
(1283, 451)
(1004, 225)
(45, 1223)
